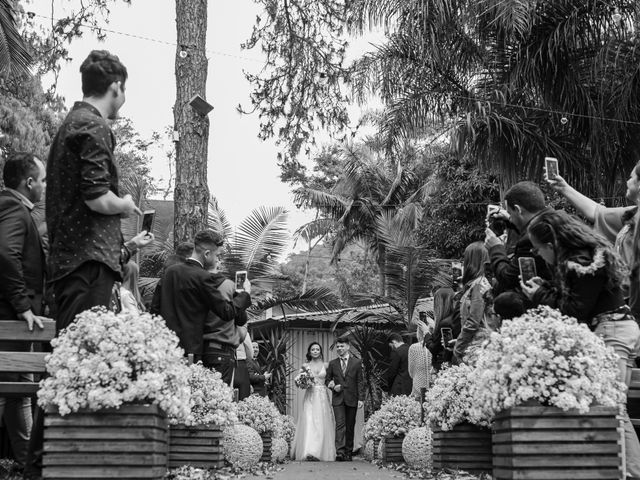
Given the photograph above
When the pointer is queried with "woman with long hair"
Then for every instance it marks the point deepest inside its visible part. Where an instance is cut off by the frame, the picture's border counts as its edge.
(476, 294)
(129, 292)
(587, 284)
(315, 432)
(443, 314)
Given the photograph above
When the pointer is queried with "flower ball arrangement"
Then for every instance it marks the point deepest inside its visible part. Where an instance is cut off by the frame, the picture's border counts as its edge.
(242, 446)
(279, 449)
(368, 450)
(416, 448)
(450, 399)
(260, 414)
(104, 360)
(288, 428)
(211, 400)
(546, 357)
(397, 416)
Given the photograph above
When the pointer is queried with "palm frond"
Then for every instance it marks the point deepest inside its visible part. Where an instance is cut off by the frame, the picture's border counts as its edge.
(261, 239)
(14, 55)
(313, 300)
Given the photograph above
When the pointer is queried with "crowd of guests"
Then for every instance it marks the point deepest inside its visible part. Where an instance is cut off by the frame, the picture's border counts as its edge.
(82, 259)
(586, 270)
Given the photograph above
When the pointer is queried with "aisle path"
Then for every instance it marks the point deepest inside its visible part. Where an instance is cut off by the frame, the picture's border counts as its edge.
(358, 469)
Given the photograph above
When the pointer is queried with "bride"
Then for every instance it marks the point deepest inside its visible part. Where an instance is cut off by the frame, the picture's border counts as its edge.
(315, 432)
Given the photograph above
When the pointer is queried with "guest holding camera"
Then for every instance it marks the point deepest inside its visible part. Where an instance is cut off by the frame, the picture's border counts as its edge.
(587, 285)
(524, 201)
(617, 225)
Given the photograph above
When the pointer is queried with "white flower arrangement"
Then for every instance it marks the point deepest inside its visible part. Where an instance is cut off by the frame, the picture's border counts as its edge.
(449, 401)
(547, 357)
(397, 416)
(261, 414)
(211, 401)
(288, 428)
(104, 360)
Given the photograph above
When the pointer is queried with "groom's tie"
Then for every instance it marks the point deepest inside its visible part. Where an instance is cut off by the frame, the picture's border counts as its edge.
(343, 363)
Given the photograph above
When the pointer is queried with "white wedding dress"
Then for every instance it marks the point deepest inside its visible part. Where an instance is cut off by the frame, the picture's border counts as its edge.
(316, 429)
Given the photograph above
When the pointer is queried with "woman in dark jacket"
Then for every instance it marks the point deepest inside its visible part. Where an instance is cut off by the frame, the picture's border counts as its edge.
(587, 285)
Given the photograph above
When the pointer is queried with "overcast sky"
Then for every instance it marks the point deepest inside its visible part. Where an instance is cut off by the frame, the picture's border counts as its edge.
(243, 173)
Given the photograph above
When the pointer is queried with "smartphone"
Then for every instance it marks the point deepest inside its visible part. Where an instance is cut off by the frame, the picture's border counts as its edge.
(551, 167)
(241, 276)
(527, 268)
(422, 316)
(447, 335)
(456, 270)
(147, 220)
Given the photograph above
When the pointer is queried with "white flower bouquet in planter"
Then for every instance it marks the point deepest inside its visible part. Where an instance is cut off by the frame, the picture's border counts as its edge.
(549, 358)
(211, 400)
(261, 414)
(450, 399)
(397, 416)
(104, 360)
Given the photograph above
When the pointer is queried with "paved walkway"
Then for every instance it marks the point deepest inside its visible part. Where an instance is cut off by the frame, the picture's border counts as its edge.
(357, 469)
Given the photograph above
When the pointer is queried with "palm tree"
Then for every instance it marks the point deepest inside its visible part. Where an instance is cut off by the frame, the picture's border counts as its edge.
(14, 55)
(512, 81)
(371, 184)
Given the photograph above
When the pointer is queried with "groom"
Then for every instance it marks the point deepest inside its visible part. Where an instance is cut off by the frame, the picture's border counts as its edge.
(344, 377)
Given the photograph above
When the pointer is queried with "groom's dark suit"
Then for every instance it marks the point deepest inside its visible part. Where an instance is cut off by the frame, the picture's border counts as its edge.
(345, 402)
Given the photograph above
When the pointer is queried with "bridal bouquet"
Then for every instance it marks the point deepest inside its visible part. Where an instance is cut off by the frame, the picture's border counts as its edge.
(449, 401)
(547, 357)
(104, 360)
(211, 400)
(305, 378)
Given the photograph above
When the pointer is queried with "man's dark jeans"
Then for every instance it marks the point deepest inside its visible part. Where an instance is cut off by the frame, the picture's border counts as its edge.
(222, 360)
(88, 286)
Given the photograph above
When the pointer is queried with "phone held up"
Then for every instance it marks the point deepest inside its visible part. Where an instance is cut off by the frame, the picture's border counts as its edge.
(527, 268)
(147, 220)
(241, 277)
(447, 335)
(551, 167)
(456, 271)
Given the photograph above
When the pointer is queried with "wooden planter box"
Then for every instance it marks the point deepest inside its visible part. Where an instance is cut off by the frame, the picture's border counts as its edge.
(532, 442)
(465, 447)
(199, 446)
(392, 449)
(633, 399)
(128, 442)
(266, 446)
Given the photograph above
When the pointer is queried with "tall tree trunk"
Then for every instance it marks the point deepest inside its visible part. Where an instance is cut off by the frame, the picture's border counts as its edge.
(191, 196)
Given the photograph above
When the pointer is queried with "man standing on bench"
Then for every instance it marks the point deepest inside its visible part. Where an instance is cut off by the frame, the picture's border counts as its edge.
(21, 278)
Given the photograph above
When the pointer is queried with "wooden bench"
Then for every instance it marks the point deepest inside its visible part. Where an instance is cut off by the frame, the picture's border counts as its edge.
(23, 362)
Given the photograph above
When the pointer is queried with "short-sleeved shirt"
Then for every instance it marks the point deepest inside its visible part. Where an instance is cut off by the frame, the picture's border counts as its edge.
(617, 225)
(81, 167)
